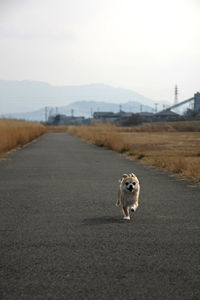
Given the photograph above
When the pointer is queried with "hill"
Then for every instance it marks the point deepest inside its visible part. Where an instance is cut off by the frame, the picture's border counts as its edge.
(28, 96)
(81, 108)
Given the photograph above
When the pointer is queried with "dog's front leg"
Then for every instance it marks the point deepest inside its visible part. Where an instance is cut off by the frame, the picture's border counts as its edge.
(135, 205)
(126, 213)
(119, 200)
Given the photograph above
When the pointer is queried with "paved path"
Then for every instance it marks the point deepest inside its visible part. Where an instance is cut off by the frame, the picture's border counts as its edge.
(63, 238)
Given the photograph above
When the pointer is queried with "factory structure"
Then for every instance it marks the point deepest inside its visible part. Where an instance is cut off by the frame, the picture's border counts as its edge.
(194, 103)
(122, 117)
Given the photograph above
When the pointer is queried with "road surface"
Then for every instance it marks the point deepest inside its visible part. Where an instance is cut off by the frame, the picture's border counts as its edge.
(63, 238)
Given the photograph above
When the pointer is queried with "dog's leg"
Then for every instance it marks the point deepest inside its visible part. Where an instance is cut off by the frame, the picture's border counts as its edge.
(119, 198)
(117, 203)
(126, 213)
(135, 205)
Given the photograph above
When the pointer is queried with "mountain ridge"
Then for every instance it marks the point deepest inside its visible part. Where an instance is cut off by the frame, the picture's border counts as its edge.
(80, 108)
(23, 98)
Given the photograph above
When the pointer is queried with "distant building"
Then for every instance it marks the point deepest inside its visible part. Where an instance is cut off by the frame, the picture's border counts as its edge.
(146, 116)
(112, 117)
(166, 114)
(103, 116)
(197, 102)
(61, 119)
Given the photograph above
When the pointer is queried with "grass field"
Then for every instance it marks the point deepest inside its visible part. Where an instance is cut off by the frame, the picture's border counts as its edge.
(15, 133)
(173, 147)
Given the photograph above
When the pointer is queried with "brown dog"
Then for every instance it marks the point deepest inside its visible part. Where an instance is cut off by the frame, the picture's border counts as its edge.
(128, 194)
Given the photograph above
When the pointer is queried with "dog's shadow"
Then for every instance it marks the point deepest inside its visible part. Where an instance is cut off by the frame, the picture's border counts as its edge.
(103, 220)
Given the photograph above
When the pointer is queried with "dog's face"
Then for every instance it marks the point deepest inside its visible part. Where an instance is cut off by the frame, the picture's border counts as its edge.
(129, 183)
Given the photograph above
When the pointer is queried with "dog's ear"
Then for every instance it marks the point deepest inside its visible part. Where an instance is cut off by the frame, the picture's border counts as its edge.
(124, 175)
(132, 175)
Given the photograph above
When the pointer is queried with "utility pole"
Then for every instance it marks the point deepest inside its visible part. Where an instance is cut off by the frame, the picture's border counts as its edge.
(46, 113)
(176, 94)
(141, 108)
(156, 107)
(72, 113)
(91, 112)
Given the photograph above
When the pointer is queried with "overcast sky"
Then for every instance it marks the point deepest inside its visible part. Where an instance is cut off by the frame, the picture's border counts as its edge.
(144, 45)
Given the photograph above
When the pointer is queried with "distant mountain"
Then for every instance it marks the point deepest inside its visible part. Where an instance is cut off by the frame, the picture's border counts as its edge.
(81, 108)
(23, 96)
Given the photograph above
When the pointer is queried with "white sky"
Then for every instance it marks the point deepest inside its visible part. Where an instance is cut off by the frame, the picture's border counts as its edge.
(144, 45)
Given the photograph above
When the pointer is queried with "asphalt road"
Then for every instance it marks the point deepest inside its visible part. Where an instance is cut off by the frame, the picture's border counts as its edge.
(63, 238)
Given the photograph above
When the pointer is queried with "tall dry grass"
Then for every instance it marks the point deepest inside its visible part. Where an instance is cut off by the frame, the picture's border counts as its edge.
(15, 133)
(186, 126)
(103, 135)
(169, 146)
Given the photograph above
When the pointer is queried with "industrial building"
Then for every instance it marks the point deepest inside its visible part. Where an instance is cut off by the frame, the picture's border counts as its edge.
(195, 101)
(122, 116)
(111, 117)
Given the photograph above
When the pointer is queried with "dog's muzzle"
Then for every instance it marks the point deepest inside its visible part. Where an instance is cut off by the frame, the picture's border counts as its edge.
(130, 188)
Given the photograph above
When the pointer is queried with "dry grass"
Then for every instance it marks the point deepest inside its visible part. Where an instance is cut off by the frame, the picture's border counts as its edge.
(173, 147)
(186, 126)
(104, 135)
(15, 133)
